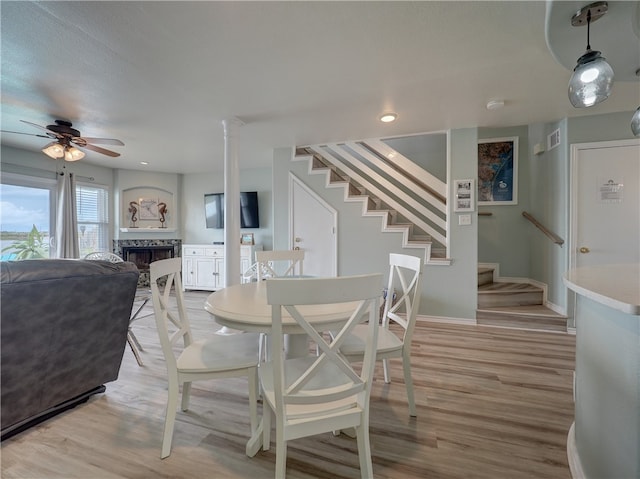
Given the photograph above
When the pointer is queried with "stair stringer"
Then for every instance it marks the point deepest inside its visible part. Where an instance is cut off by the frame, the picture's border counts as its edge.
(384, 214)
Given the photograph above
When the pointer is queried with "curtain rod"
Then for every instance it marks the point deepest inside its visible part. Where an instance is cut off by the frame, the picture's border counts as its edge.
(40, 171)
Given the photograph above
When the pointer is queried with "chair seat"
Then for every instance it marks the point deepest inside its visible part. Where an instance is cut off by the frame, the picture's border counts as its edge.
(220, 353)
(354, 343)
(329, 378)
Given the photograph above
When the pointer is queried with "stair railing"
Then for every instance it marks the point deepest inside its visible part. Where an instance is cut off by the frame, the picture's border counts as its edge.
(420, 198)
(554, 237)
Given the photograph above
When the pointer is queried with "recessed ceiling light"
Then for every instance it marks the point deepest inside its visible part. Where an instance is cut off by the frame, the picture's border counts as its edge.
(388, 117)
(145, 163)
(495, 104)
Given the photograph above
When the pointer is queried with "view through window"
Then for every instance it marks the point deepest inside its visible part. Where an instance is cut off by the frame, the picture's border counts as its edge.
(27, 217)
(26, 209)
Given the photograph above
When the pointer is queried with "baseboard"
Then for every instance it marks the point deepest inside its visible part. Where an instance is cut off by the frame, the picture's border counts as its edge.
(575, 466)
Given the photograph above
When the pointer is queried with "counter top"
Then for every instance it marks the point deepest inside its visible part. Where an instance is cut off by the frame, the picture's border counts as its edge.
(614, 285)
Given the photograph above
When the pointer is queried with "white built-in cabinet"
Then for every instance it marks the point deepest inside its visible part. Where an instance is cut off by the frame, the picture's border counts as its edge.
(203, 265)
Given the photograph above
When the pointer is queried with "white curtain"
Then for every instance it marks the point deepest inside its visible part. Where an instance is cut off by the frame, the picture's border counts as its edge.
(67, 222)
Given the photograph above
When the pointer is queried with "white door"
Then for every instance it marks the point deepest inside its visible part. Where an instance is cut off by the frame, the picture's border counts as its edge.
(313, 227)
(605, 209)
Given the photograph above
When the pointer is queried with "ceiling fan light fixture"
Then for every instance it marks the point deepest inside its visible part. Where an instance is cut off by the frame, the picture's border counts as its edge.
(592, 78)
(54, 150)
(73, 154)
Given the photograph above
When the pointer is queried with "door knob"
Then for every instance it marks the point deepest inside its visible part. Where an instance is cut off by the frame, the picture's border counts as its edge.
(584, 250)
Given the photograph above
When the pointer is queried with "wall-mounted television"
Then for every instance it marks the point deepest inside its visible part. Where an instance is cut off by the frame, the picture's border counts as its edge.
(214, 210)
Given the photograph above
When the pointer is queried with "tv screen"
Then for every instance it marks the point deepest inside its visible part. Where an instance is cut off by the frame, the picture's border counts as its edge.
(214, 210)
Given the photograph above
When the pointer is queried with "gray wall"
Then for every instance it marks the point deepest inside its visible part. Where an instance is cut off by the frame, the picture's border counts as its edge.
(195, 186)
(362, 247)
(505, 236)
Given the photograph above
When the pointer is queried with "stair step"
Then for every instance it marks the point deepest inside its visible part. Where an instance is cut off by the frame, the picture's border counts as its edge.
(508, 294)
(485, 276)
(522, 317)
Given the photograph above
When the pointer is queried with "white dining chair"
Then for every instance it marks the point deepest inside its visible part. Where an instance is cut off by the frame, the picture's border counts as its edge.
(316, 394)
(139, 302)
(405, 282)
(277, 264)
(217, 357)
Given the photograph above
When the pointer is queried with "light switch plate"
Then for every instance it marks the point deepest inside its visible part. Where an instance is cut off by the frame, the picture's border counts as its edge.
(464, 220)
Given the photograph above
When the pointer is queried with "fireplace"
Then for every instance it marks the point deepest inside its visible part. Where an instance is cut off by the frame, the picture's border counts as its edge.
(144, 252)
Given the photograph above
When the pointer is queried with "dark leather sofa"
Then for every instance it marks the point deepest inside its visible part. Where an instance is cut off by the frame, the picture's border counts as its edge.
(63, 333)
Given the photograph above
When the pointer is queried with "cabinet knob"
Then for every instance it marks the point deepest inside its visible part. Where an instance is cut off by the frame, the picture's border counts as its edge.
(584, 250)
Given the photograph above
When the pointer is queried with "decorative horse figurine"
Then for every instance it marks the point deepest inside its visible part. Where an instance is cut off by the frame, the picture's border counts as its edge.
(162, 209)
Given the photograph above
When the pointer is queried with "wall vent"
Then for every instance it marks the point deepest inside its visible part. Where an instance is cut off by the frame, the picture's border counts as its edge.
(553, 140)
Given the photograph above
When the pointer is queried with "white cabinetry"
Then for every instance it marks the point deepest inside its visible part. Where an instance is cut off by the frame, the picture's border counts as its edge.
(203, 265)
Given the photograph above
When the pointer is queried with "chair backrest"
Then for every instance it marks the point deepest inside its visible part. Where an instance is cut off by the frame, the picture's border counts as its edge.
(104, 256)
(305, 385)
(276, 264)
(172, 323)
(403, 292)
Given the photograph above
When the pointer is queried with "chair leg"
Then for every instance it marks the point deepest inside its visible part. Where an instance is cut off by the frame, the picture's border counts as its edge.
(266, 426)
(406, 367)
(281, 451)
(170, 419)
(364, 451)
(253, 398)
(186, 395)
(385, 368)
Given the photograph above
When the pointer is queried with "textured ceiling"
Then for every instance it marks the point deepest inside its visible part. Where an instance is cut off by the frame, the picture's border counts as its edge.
(161, 76)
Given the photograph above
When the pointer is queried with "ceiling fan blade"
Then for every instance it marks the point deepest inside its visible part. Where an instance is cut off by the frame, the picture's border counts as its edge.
(97, 149)
(103, 141)
(23, 133)
(49, 132)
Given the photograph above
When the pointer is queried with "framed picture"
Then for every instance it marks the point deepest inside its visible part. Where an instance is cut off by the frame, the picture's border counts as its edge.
(246, 239)
(149, 209)
(464, 195)
(498, 171)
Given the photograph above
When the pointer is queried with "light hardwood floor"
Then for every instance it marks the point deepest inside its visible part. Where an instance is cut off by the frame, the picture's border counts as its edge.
(492, 403)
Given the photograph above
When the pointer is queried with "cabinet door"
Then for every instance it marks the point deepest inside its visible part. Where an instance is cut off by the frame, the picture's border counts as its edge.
(218, 267)
(188, 280)
(205, 273)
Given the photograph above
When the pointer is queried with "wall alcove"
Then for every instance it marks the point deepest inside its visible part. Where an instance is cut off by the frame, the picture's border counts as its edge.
(147, 209)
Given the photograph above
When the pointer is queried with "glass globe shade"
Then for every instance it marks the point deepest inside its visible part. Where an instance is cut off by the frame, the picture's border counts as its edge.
(591, 82)
(635, 123)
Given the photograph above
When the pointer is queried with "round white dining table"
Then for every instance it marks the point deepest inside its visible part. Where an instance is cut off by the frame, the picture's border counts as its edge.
(244, 307)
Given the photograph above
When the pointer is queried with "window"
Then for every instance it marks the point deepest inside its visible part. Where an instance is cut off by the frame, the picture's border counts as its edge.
(26, 202)
(92, 206)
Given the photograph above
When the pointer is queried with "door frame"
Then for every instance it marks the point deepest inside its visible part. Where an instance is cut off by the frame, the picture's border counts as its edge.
(293, 179)
(576, 148)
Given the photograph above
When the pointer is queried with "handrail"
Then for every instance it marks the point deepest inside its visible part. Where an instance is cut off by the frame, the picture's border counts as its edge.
(554, 237)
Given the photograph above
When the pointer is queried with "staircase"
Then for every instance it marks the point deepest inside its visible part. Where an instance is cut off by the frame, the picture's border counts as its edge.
(514, 305)
(423, 230)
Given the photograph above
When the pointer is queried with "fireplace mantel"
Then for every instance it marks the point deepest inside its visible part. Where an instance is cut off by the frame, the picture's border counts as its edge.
(148, 230)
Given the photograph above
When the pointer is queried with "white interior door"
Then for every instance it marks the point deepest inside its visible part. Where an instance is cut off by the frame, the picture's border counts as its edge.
(313, 227)
(605, 209)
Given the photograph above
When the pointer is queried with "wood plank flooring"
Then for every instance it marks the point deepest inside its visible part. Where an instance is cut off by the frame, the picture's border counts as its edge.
(492, 403)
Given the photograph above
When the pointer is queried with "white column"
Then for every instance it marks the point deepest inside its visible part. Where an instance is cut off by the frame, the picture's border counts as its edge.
(231, 202)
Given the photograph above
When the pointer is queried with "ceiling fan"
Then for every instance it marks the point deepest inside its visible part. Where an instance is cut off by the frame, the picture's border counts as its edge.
(66, 137)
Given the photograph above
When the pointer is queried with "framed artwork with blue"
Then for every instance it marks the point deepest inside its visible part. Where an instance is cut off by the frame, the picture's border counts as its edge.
(498, 171)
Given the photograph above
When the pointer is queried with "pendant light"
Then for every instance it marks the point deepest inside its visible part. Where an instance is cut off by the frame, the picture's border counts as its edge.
(635, 123)
(592, 77)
